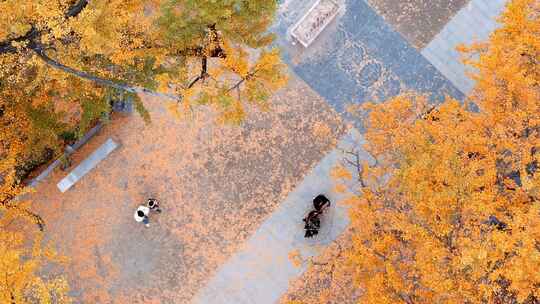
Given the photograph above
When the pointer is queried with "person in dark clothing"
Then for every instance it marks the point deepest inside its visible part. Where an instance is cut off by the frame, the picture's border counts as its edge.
(312, 224)
(312, 220)
(321, 202)
(153, 204)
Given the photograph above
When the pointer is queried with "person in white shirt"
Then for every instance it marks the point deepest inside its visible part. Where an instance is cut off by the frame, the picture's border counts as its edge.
(141, 215)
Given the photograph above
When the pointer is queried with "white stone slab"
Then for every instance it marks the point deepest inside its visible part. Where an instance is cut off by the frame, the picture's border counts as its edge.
(314, 21)
(87, 165)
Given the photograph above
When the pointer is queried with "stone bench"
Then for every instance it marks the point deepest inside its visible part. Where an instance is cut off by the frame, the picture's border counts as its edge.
(87, 165)
(314, 21)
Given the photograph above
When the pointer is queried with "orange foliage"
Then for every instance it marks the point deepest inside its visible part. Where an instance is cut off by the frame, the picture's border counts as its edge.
(19, 269)
(457, 218)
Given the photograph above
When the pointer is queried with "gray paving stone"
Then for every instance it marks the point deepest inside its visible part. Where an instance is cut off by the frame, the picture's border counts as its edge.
(87, 165)
(359, 58)
(473, 23)
(417, 20)
(336, 67)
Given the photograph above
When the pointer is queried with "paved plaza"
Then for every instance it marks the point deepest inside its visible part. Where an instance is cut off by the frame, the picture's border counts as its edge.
(233, 196)
(217, 184)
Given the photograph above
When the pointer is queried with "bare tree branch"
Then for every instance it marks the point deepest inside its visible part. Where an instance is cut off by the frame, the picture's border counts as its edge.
(237, 85)
(101, 81)
(7, 203)
(76, 8)
(203, 74)
(32, 35)
(355, 163)
(200, 52)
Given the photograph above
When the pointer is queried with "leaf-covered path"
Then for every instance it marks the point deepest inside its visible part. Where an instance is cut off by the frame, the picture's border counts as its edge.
(260, 271)
(216, 183)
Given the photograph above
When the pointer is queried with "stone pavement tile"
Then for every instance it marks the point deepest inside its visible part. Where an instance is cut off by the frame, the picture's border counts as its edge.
(260, 271)
(417, 20)
(359, 57)
(216, 183)
(473, 23)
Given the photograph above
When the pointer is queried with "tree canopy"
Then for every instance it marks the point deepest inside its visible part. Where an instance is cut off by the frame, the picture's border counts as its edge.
(450, 213)
(20, 267)
(62, 63)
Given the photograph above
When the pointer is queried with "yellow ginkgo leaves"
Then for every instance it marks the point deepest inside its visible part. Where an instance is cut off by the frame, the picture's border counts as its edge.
(459, 217)
(20, 266)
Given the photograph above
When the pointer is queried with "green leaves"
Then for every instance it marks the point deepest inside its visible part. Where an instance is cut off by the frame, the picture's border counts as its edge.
(140, 108)
(92, 110)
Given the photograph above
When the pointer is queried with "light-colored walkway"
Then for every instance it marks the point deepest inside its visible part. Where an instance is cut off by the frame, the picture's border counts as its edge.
(474, 22)
(260, 272)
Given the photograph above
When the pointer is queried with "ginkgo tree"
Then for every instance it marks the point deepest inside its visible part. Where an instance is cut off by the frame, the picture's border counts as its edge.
(138, 46)
(450, 210)
(20, 267)
(61, 61)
